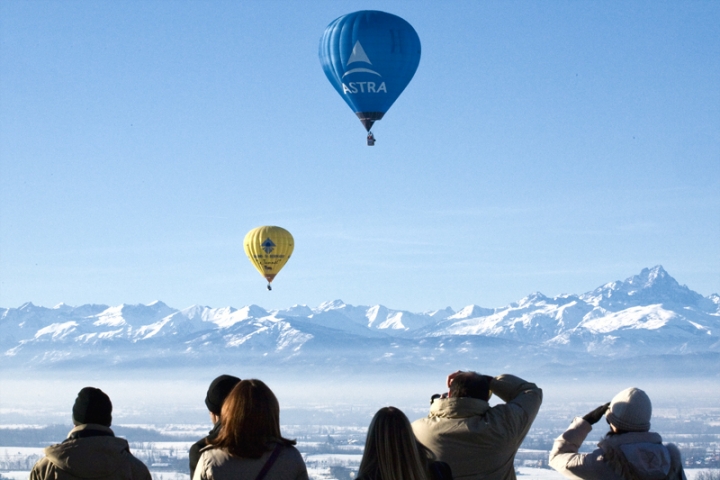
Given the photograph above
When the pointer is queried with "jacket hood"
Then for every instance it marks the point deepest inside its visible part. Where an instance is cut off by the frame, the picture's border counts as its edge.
(89, 457)
(643, 454)
(458, 407)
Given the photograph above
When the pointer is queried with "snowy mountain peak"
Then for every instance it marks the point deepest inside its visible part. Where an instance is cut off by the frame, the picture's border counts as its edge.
(655, 277)
(533, 298)
(194, 311)
(254, 311)
(157, 304)
(651, 286)
(471, 311)
(440, 314)
(333, 305)
(296, 311)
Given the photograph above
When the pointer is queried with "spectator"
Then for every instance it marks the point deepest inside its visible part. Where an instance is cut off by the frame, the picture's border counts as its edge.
(217, 392)
(249, 444)
(629, 451)
(393, 453)
(478, 441)
(91, 450)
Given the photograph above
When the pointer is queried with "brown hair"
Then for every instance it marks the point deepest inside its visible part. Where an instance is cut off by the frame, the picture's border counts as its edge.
(470, 384)
(391, 450)
(250, 419)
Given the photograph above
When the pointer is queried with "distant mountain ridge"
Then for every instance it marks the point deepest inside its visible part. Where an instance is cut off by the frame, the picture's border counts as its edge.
(649, 315)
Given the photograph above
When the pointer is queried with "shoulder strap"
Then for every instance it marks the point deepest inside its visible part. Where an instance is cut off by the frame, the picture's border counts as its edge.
(440, 471)
(273, 456)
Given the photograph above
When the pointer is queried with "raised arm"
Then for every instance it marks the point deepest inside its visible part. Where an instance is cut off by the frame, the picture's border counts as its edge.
(564, 456)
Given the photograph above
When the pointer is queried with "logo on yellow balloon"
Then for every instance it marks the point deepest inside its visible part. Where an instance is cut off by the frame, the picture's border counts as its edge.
(268, 245)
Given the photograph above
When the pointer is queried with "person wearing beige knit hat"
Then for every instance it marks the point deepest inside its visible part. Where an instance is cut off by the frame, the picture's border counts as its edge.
(630, 411)
(629, 451)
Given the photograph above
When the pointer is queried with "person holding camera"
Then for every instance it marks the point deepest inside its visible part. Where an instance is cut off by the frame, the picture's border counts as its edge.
(629, 451)
(478, 441)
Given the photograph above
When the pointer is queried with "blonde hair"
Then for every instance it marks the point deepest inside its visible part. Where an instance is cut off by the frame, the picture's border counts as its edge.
(391, 450)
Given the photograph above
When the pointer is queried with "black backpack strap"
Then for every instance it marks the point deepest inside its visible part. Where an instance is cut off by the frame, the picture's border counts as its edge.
(440, 471)
(273, 456)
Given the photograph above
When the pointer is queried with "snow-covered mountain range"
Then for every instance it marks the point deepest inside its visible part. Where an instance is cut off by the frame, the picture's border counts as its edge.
(648, 316)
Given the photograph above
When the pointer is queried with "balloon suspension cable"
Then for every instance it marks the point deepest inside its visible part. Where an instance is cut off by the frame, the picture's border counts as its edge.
(269, 287)
(370, 139)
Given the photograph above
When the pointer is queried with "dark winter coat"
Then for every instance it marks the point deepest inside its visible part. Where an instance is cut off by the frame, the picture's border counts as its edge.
(194, 453)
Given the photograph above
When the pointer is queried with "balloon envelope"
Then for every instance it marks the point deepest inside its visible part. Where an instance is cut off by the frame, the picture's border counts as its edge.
(268, 248)
(369, 57)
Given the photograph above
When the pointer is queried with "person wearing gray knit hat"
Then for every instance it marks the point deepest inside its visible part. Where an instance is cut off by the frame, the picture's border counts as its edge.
(629, 451)
(630, 411)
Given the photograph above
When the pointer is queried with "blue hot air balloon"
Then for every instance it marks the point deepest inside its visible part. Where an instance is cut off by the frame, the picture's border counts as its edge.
(370, 57)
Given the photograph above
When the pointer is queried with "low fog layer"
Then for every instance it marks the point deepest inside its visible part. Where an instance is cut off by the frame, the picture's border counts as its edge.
(177, 397)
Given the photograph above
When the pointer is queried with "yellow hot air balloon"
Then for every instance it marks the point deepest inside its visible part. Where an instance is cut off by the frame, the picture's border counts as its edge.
(268, 248)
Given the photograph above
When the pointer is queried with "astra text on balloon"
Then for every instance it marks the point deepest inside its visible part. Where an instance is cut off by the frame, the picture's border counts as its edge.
(364, 87)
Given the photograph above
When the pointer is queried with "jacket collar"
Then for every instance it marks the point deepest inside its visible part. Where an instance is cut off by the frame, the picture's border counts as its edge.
(90, 426)
(458, 407)
(215, 431)
(630, 437)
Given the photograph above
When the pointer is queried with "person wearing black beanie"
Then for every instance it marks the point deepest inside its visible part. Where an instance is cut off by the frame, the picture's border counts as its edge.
(218, 391)
(91, 449)
(92, 406)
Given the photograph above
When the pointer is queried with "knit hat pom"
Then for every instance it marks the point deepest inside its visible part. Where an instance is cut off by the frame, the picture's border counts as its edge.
(630, 411)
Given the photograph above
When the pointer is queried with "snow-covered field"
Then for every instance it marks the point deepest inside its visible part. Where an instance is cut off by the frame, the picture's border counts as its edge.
(319, 466)
(324, 474)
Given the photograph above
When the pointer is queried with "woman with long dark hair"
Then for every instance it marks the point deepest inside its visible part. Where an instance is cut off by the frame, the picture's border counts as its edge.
(249, 444)
(393, 453)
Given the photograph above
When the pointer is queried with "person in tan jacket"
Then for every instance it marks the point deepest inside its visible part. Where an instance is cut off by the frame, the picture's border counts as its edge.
(478, 441)
(629, 451)
(91, 450)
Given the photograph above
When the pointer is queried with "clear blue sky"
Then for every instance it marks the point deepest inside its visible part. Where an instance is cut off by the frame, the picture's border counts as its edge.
(542, 146)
